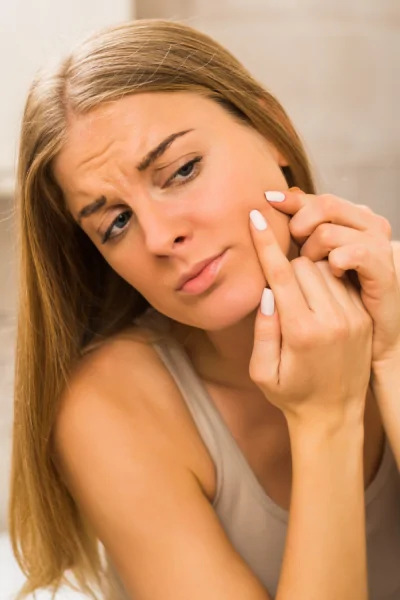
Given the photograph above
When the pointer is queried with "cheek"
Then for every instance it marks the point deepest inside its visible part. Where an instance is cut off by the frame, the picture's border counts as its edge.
(226, 208)
(279, 223)
(127, 267)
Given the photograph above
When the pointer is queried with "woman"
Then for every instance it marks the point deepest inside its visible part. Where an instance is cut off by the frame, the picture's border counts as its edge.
(163, 413)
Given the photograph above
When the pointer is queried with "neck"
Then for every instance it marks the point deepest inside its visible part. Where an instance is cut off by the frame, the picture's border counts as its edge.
(223, 357)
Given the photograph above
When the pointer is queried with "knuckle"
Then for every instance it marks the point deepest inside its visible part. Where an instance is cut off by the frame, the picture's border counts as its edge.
(360, 252)
(255, 375)
(386, 251)
(258, 375)
(279, 275)
(303, 339)
(324, 234)
(385, 226)
(301, 262)
(328, 201)
(339, 329)
(296, 227)
(365, 208)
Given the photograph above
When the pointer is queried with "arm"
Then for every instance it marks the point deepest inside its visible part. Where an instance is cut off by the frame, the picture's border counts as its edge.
(120, 450)
(325, 554)
(153, 517)
(386, 385)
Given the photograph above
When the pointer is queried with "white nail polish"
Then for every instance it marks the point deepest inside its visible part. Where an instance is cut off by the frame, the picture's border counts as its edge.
(275, 196)
(267, 302)
(258, 220)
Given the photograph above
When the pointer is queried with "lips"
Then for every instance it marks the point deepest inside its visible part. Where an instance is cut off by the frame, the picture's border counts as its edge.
(195, 270)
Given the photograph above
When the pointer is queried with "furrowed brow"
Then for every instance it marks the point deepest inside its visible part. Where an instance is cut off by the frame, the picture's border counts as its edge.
(149, 159)
(91, 209)
(159, 150)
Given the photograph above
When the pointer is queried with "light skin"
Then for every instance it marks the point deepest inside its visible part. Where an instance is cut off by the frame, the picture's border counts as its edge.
(168, 225)
(166, 229)
(174, 226)
(354, 237)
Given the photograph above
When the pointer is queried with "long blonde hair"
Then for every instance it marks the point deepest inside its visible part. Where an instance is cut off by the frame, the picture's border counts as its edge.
(62, 304)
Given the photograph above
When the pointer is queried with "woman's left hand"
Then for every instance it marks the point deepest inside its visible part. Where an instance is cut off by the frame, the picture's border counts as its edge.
(351, 237)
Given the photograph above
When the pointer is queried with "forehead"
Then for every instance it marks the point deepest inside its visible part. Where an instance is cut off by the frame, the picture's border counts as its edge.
(143, 118)
(135, 123)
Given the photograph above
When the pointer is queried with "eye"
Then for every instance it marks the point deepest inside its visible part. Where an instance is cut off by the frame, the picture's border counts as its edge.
(185, 173)
(120, 223)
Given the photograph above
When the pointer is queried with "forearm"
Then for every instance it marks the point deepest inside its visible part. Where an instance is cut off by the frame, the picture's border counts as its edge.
(325, 553)
(386, 387)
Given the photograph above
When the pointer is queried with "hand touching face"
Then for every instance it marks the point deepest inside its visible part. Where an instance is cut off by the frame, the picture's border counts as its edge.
(351, 237)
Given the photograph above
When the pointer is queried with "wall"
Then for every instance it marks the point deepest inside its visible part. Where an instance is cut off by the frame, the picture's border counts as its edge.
(32, 33)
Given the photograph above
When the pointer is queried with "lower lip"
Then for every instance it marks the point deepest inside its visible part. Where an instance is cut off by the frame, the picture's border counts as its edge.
(205, 278)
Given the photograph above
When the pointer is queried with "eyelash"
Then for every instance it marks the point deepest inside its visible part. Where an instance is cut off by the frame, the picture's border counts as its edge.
(107, 235)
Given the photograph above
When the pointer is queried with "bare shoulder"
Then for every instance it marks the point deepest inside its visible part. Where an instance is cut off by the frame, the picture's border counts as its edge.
(123, 383)
(133, 462)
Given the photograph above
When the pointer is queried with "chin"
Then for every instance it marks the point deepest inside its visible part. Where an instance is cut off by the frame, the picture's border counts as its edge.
(227, 305)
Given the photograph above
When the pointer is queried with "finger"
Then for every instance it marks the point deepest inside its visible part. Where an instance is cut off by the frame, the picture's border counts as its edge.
(380, 291)
(310, 210)
(328, 236)
(354, 293)
(266, 354)
(313, 285)
(331, 209)
(373, 264)
(277, 269)
(337, 287)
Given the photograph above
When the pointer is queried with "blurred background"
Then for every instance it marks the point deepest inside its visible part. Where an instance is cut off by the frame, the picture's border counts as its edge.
(333, 64)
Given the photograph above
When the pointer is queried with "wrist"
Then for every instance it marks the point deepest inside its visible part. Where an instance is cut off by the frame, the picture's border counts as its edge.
(333, 438)
(388, 367)
(328, 420)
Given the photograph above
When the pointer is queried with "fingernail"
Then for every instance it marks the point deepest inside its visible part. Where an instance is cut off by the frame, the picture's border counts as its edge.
(258, 220)
(267, 302)
(275, 196)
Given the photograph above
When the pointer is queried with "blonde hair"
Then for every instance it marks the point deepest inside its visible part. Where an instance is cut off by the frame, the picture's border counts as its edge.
(62, 305)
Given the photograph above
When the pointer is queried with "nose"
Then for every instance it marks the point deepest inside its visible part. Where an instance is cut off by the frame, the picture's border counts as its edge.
(162, 232)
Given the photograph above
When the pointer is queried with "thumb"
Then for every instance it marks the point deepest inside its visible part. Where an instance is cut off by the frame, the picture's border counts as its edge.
(266, 355)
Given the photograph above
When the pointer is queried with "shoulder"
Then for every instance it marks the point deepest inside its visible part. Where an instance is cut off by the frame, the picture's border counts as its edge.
(123, 372)
(132, 470)
(121, 389)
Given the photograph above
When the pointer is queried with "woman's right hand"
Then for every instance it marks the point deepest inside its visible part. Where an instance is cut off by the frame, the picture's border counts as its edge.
(312, 357)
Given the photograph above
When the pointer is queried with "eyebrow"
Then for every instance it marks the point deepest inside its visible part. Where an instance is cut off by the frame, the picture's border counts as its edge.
(144, 164)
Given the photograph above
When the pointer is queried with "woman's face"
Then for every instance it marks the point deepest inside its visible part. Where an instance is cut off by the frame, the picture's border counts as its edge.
(154, 218)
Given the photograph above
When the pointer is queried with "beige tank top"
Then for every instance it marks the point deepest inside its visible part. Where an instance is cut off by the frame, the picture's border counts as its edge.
(255, 525)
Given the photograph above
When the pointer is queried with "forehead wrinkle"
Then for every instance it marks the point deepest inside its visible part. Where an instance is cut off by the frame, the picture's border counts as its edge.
(96, 156)
(96, 169)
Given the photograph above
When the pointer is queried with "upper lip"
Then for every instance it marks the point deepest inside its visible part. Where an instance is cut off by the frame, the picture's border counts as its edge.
(195, 270)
